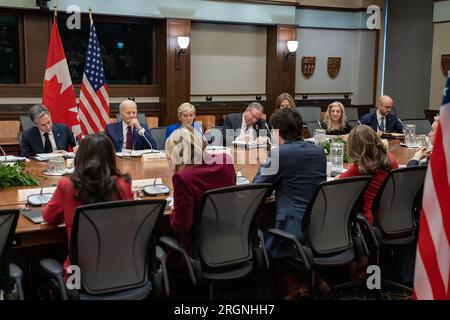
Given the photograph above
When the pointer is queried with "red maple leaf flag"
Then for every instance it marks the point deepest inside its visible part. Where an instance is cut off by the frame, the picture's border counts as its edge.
(58, 94)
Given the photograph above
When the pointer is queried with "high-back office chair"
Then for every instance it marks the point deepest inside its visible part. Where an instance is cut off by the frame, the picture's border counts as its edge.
(396, 210)
(312, 126)
(423, 126)
(351, 113)
(207, 121)
(226, 242)
(159, 135)
(25, 122)
(10, 274)
(9, 129)
(354, 123)
(114, 245)
(140, 116)
(309, 113)
(152, 122)
(329, 225)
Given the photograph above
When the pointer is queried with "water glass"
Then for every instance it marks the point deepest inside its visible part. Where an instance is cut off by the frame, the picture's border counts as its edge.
(410, 134)
(56, 165)
(337, 156)
(319, 135)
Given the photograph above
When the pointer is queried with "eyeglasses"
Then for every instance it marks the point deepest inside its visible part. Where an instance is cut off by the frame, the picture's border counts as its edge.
(253, 116)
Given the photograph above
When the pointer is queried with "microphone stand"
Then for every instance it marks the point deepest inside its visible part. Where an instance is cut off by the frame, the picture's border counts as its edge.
(4, 154)
(143, 135)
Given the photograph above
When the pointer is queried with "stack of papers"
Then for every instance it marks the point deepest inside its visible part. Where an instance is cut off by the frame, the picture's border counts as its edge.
(138, 153)
(47, 156)
(11, 159)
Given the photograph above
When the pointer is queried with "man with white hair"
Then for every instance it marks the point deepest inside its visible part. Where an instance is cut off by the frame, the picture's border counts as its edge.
(129, 133)
(382, 120)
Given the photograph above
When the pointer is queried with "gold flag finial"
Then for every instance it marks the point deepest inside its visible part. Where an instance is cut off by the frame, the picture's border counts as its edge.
(55, 12)
(90, 13)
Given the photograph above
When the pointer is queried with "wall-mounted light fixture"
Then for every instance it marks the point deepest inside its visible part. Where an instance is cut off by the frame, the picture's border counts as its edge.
(183, 43)
(292, 47)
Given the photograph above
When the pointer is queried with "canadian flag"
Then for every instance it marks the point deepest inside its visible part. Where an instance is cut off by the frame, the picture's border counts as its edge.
(58, 94)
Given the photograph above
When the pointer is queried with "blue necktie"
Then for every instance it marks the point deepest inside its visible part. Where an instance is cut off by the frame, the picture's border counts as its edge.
(382, 124)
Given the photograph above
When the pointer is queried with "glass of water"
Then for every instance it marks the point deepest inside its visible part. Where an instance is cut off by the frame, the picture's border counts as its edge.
(410, 134)
(319, 135)
(57, 165)
(337, 156)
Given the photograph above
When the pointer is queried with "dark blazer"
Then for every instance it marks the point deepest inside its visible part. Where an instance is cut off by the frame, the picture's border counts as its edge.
(234, 121)
(115, 132)
(31, 141)
(295, 170)
(392, 123)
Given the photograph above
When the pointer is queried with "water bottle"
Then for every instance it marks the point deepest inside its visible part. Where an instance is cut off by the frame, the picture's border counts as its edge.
(337, 156)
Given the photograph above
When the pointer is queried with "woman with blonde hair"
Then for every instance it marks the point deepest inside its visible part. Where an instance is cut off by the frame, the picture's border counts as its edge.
(195, 173)
(186, 117)
(284, 100)
(335, 121)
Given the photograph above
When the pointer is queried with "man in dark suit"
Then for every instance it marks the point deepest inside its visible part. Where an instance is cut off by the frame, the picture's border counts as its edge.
(129, 133)
(45, 136)
(245, 126)
(382, 120)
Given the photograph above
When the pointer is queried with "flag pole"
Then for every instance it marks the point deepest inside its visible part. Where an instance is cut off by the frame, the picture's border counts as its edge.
(90, 13)
(55, 12)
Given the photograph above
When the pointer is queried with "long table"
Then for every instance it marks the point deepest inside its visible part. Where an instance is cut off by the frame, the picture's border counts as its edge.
(29, 234)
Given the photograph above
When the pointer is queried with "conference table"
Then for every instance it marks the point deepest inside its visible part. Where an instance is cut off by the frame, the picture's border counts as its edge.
(29, 234)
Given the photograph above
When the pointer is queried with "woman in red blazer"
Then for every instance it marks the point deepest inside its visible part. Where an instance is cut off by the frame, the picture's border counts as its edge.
(95, 179)
(195, 173)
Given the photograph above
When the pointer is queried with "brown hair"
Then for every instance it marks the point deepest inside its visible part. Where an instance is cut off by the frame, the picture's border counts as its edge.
(95, 166)
(327, 118)
(282, 97)
(288, 122)
(367, 150)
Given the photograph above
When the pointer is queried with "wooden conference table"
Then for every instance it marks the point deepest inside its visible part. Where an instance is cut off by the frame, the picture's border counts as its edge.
(29, 234)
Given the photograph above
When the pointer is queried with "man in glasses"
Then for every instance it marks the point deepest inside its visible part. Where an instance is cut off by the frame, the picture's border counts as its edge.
(382, 120)
(246, 126)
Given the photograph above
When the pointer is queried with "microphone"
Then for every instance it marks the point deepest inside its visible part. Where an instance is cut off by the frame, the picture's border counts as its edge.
(4, 154)
(272, 140)
(401, 122)
(143, 135)
(320, 125)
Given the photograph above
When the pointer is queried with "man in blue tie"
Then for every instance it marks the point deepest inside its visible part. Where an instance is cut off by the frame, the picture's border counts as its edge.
(129, 133)
(382, 120)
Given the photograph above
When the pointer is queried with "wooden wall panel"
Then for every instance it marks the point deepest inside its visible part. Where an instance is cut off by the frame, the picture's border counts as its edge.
(279, 80)
(175, 84)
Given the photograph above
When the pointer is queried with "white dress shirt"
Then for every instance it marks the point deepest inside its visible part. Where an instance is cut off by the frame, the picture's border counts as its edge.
(246, 131)
(125, 131)
(51, 137)
(379, 117)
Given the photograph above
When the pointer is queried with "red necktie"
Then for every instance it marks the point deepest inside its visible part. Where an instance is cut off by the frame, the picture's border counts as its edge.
(129, 142)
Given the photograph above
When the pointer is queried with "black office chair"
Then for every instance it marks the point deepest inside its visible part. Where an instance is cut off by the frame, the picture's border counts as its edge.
(351, 113)
(10, 274)
(114, 245)
(331, 234)
(354, 123)
(25, 122)
(309, 114)
(226, 241)
(312, 126)
(423, 126)
(159, 135)
(140, 116)
(396, 210)
(214, 136)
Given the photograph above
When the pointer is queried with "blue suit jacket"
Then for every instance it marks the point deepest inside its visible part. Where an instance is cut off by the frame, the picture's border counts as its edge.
(392, 123)
(301, 167)
(177, 125)
(31, 141)
(115, 132)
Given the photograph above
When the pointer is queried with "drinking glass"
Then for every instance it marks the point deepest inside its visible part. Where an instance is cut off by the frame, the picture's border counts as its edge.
(319, 135)
(337, 156)
(410, 134)
(56, 165)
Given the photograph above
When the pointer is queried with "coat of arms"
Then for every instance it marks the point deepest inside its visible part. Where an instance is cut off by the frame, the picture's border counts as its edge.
(308, 66)
(334, 65)
(445, 64)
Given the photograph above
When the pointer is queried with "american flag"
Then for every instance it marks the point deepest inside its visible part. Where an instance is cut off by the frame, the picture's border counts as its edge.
(432, 273)
(94, 100)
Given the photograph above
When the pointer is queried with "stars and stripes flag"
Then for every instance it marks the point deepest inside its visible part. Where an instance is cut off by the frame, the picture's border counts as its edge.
(94, 100)
(432, 272)
(58, 94)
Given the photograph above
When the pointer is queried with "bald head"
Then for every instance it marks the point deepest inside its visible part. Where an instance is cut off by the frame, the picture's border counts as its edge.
(128, 111)
(385, 105)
